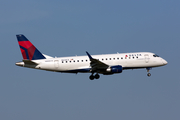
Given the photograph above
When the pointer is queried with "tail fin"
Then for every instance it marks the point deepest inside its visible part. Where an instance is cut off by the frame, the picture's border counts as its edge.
(28, 50)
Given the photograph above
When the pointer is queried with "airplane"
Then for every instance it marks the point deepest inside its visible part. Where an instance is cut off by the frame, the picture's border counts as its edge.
(106, 64)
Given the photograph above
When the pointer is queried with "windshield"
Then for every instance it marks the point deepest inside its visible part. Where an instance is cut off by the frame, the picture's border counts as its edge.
(156, 55)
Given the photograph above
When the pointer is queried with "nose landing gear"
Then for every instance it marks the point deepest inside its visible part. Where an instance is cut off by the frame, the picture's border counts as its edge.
(149, 74)
(97, 76)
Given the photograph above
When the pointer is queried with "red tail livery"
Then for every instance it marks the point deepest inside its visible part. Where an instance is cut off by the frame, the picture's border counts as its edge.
(28, 50)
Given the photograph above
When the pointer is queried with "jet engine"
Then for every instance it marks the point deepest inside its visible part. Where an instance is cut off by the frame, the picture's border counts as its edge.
(114, 69)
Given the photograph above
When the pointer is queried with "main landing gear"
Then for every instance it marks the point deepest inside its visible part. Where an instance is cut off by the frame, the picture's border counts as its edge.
(91, 77)
(149, 74)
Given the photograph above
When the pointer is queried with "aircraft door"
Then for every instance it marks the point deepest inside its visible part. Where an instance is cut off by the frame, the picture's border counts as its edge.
(146, 57)
(56, 64)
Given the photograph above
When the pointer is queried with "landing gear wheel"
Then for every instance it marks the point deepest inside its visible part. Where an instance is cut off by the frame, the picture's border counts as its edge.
(149, 74)
(91, 77)
(97, 76)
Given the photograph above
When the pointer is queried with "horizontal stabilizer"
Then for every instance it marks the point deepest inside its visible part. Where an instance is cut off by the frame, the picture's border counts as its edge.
(29, 62)
(47, 56)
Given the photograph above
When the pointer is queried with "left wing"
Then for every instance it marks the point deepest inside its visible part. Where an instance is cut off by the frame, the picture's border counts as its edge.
(96, 65)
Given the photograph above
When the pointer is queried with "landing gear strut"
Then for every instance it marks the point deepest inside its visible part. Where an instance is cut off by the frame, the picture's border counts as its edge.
(91, 77)
(149, 74)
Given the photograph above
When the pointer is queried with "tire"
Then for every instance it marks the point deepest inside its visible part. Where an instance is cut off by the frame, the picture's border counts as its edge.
(97, 76)
(149, 74)
(91, 77)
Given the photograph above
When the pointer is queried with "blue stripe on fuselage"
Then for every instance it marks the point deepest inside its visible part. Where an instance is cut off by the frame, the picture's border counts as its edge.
(78, 70)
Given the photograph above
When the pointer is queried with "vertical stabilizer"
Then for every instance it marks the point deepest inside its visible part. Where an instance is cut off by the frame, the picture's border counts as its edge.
(28, 50)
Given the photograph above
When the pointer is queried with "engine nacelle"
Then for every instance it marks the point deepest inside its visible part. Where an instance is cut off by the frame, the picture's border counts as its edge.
(114, 69)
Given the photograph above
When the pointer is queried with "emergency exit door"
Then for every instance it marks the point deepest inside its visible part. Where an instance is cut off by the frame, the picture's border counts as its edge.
(146, 57)
(56, 63)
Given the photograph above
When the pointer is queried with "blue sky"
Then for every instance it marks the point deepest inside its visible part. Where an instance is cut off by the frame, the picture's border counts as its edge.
(68, 28)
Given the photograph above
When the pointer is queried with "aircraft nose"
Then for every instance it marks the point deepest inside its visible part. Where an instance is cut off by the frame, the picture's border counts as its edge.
(164, 62)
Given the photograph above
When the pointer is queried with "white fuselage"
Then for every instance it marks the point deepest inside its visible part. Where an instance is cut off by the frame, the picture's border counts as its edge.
(76, 64)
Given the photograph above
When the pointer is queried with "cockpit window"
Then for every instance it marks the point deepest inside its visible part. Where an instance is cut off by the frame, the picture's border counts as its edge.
(156, 55)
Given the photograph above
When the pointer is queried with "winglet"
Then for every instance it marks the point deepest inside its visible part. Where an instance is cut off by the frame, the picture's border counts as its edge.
(90, 57)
